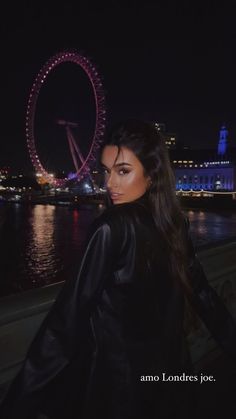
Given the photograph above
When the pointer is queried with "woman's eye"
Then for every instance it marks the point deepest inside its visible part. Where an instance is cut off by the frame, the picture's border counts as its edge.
(123, 171)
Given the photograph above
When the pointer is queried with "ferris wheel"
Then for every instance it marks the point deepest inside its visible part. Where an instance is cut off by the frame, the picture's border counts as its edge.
(81, 162)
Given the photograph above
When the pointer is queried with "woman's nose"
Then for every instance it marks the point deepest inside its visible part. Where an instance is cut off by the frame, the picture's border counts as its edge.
(111, 181)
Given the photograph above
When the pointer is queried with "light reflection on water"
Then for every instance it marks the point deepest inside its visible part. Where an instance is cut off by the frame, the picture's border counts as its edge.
(210, 227)
(40, 254)
(42, 244)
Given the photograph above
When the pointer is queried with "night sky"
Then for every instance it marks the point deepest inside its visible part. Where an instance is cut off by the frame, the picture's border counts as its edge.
(171, 62)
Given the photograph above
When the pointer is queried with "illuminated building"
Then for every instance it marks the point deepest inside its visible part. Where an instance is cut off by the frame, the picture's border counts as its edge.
(206, 169)
(222, 145)
(170, 138)
(4, 173)
(208, 176)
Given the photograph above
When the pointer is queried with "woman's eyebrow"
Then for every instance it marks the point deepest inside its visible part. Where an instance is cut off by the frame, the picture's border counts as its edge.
(117, 164)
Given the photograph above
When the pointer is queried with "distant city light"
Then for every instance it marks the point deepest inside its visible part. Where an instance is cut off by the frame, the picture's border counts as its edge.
(71, 175)
(210, 163)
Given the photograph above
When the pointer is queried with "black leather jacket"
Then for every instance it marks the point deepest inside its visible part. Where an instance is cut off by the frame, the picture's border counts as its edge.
(120, 319)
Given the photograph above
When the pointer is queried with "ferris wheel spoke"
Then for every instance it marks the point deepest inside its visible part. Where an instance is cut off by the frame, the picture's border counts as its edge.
(73, 153)
(77, 148)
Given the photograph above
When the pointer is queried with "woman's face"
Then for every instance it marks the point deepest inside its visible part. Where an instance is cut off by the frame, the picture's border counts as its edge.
(124, 176)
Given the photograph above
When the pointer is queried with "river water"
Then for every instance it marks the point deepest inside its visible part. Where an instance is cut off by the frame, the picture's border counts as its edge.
(42, 244)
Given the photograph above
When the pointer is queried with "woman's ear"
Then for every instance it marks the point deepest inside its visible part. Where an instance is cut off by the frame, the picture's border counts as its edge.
(149, 181)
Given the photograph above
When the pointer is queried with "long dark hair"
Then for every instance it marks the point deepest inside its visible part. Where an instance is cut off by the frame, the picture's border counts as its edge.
(148, 145)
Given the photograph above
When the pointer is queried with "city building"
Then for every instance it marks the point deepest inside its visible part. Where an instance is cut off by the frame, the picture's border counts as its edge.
(170, 138)
(208, 169)
(4, 173)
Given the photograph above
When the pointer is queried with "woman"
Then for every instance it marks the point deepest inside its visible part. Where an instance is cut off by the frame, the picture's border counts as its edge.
(117, 331)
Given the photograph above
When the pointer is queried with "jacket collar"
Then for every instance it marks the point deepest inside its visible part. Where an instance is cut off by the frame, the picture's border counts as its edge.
(143, 200)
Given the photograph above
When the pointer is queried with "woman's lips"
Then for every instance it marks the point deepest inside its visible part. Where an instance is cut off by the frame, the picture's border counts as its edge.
(115, 195)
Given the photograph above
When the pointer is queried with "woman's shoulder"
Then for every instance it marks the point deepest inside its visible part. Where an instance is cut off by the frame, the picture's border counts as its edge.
(112, 225)
(114, 215)
(121, 213)
(116, 221)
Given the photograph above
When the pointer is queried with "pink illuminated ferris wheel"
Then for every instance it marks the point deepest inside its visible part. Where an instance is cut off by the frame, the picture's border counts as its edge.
(81, 162)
